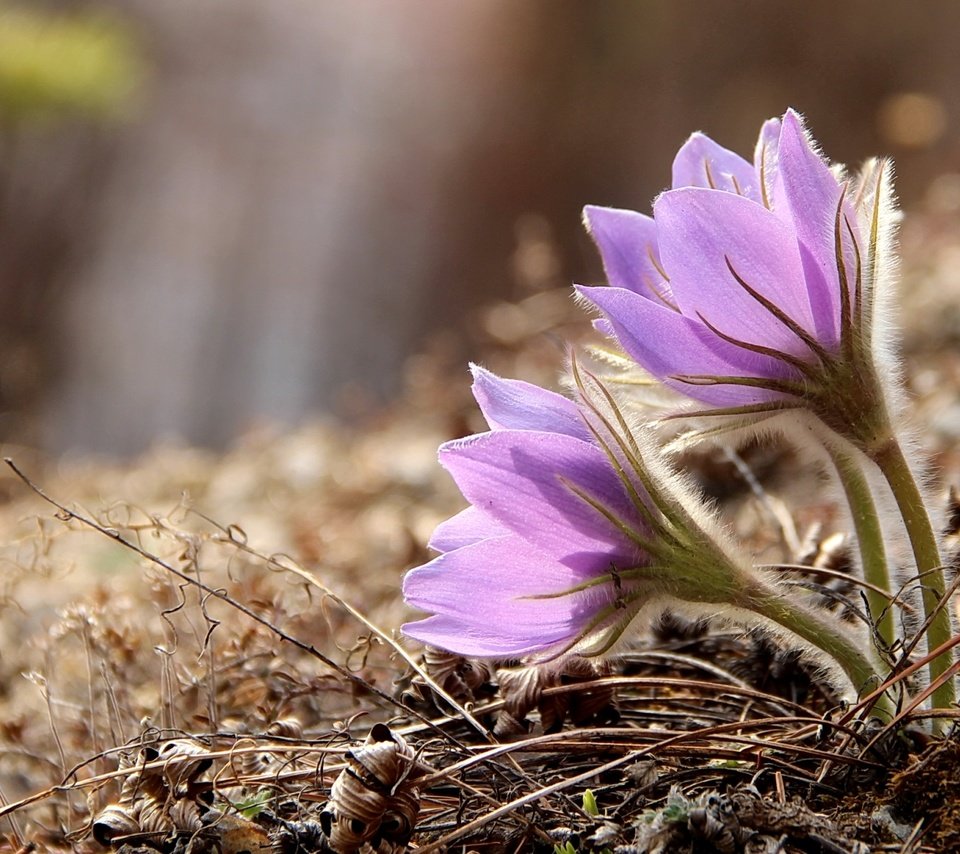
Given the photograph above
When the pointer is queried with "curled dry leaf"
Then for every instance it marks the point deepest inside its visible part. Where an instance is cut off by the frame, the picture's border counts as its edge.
(286, 728)
(237, 835)
(269, 760)
(157, 800)
(523, 691)
(185, 760)
(114, 823)
(375, 800)
(462, 678)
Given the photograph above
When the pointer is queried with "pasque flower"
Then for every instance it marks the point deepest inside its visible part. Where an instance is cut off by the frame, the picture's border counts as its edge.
(549, 515)
(760, 290)
(576, 526)
(751, 287)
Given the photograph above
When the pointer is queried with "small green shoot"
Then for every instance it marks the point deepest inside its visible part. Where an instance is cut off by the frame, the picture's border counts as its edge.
(590, 803)
(251, 807)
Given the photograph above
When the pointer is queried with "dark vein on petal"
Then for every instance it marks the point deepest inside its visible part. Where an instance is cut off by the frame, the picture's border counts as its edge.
(763, 177)
(639, 504)
(845, 314)
(793, 361)
(602, 617)
(858, 281)
(660, 296)
(648, 545)
(657, 291)
(631, 453)
(706, 168)
(656, 263)
(780, 386)
(639, 572)
(815, 346)
(767, 408)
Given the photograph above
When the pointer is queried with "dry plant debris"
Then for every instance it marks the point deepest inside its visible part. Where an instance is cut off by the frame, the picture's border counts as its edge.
(197, 654)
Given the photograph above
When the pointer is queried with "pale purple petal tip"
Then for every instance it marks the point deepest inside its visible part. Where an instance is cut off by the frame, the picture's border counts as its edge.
(766, 164)
(628, 246)
(474, 641)
(701, 162)
(517, 405)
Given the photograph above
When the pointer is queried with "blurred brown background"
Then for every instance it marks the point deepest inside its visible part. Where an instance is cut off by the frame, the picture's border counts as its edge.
(223, 212)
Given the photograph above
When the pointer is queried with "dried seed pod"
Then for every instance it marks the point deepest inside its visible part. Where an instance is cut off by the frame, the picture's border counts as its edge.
(374, 798)
(115, 822)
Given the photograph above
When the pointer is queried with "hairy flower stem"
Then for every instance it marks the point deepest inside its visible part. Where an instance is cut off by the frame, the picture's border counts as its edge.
(873, 555)
(718, 580)
(892, 462)
(825, 635)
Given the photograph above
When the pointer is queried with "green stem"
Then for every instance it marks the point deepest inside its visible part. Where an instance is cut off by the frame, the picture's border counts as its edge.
(719, 580)
(873, 554)
(826, 635)
(889, 457)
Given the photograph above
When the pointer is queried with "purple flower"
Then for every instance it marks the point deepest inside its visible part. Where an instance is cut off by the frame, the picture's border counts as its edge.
(575, 527)
(750, 288)
(535, 563)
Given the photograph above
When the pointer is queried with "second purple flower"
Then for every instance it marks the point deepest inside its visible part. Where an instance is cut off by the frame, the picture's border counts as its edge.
(750, 287)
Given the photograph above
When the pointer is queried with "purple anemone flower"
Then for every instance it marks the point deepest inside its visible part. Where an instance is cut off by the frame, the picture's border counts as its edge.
(750, 288)
(576, 526)
(533, 565)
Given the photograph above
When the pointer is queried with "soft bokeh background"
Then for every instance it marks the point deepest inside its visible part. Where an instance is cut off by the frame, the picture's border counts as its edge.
(229, 212)
(223, 214)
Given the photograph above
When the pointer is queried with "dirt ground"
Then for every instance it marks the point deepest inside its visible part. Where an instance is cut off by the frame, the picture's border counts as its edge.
(199, 651)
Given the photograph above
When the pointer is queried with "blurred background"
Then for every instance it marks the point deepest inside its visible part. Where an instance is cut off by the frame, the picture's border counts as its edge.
(220, 214)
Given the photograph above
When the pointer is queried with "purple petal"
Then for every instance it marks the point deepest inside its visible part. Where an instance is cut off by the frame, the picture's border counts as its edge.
(516, 405)
(482, 593)
(628, 245)
(523, 480)
(467, 527)
(668, 344)
(766, 163)
(700, 231)
(476, 640)
(812, 195)
(702, 163)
